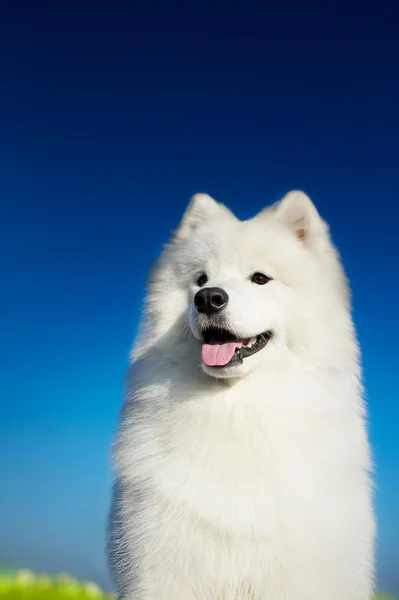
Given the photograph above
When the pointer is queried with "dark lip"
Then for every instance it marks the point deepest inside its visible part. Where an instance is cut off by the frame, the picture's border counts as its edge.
(227, 336)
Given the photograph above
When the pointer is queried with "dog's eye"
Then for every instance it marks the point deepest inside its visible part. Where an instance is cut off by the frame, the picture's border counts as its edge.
(202, 279)
(260, 278)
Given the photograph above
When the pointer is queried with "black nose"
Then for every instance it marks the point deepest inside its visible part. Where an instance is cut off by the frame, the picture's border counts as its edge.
(210, 300)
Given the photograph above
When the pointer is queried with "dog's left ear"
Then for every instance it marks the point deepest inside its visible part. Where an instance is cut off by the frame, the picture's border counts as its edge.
(297, 211)
(201, 209)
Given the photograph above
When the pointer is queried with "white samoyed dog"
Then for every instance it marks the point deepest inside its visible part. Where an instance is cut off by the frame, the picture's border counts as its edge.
(242, 459)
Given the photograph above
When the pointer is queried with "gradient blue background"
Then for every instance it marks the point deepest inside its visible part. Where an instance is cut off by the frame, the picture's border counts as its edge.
(110, 118)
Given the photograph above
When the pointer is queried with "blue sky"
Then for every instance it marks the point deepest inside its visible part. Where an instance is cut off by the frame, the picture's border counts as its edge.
(110, 119)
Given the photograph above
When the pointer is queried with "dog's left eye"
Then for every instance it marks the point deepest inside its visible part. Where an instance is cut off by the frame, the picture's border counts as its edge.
(260, 278)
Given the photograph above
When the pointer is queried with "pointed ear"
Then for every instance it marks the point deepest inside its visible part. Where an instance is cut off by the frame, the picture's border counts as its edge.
(201, 209)
(297, 211)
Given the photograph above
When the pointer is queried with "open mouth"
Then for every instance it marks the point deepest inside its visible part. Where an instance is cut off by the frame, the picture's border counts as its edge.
(221, 348)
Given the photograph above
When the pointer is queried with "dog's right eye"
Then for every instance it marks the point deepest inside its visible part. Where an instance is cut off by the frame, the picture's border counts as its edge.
(202, 279)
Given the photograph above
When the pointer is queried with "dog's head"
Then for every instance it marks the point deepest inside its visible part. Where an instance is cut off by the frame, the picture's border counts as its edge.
(250, 290)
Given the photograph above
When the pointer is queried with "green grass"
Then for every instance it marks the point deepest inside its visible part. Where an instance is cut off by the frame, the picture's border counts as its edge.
(25, 585)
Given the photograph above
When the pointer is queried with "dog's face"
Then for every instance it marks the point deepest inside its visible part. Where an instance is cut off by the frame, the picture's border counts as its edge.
(251, 290)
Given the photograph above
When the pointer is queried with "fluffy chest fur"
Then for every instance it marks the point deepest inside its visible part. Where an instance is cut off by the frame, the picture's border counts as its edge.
(253, 485)
(235, 455)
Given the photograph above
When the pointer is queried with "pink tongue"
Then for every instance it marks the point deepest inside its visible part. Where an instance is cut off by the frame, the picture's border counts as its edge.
(219, 354)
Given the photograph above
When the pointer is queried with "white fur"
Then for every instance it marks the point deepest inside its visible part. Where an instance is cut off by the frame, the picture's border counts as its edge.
(252, 482)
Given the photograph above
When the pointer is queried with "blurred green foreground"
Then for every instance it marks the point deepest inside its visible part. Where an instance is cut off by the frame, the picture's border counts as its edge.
(25, 585)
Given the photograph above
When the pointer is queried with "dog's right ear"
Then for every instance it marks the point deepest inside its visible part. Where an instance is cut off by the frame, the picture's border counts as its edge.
(201, 209)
